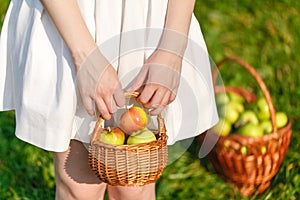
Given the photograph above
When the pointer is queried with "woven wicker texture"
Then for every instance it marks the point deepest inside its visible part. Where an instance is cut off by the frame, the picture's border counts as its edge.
(129, 165)
(254, 171)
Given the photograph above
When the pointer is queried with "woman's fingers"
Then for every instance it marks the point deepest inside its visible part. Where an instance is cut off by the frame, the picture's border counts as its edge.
(103, 108)
(159, 101)
(118, 96)
(155, 97)
(110, 104)
(99, 85)
(88, 104)
(147, 94)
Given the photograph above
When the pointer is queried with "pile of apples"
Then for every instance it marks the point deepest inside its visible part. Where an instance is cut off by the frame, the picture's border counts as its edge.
(247, 119)
(131, 130)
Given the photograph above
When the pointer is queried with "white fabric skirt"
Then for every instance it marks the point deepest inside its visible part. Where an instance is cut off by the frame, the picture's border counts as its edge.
(37, 76)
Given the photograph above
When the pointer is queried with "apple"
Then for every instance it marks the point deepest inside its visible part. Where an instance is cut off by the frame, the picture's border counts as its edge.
(236, 97)
(227, 144)
(236, 106)
(266, 126)
(231, 115)
(264, 150)
(221, 110)
(229, 112)
(133, 119)
(250, 130)
(114, 136)
(281, 119)
(143, 135)
(222, 98)
(248, 116)
(223, 127)
(244, 150)
(263, 111)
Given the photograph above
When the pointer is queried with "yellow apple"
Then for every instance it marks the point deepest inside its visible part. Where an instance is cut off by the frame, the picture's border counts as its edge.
(114, 136)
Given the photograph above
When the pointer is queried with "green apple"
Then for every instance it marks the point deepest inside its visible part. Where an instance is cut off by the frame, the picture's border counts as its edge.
(248, 116)
(251, 130)
(222, 98)
(221, 110)
(264, 150)
(244, 150)
(231, 115)
(266, 126)
(223, 127)
(143, 135)
(236, 97)
(236, 106)
(281, 119)
(114, 136)
(231, 111)
(263, 111)
(227, 144)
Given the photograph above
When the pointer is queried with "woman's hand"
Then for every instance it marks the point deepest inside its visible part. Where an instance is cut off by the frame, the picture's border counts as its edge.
(99, 85)
(158, 80)
(96, 78)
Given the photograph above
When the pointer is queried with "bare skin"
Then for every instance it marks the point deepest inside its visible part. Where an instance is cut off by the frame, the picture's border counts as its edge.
(74, 178)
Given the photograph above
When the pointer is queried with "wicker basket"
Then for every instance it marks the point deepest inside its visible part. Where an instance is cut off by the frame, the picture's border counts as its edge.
(129, 165)
(252, 172)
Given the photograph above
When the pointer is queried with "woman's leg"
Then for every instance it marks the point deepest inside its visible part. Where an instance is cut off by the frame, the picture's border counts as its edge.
(146, 192)
(74, 178)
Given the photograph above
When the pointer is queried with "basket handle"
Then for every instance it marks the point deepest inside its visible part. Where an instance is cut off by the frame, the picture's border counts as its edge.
(99, 124)
(259, 80)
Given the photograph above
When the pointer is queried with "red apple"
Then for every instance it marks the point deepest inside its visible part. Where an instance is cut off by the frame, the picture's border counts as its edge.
(133, 119)
(114, 136)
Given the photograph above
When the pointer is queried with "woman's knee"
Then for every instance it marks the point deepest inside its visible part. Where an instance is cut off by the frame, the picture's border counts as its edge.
(75, 191)
(146, 192)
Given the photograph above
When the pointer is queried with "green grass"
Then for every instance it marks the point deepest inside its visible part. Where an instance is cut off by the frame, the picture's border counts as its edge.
(265, 34)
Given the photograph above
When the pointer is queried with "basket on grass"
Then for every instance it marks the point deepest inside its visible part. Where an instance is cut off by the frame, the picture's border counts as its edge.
(254, 171)
(129, 165)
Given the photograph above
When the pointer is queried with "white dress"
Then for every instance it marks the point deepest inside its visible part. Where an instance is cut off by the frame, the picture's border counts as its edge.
(37, 76)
